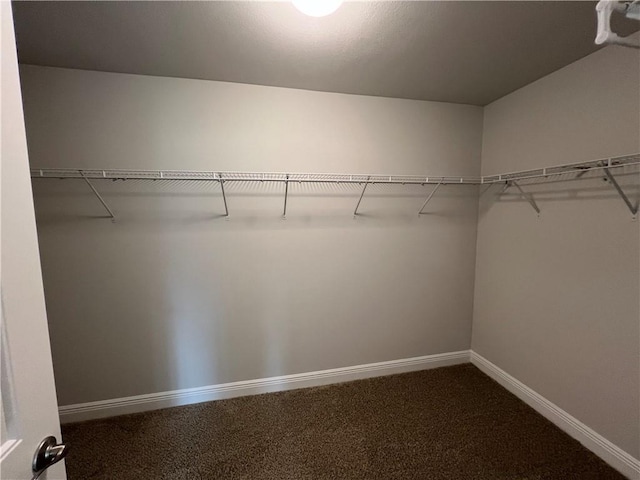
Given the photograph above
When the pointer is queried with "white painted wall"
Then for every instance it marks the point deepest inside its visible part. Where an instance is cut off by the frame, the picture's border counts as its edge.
(172, 296)
(557, 297)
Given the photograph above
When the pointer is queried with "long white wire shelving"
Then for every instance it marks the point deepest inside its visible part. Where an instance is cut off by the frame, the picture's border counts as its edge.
(117, 174)
(566, 171)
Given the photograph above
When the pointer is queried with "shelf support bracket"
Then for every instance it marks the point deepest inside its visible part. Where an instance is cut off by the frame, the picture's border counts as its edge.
(527, 197)
(224, 197)
(286, 194)
(632, 208)
(435, 189)
(104, 204)
(355, 212)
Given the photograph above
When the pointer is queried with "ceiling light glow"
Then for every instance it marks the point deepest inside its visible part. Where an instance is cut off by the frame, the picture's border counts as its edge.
(317, 8)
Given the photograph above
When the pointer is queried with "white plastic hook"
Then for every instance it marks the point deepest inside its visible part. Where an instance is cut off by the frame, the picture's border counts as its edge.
(604, 9)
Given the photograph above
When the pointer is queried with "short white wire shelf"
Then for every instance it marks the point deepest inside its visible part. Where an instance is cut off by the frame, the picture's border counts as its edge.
(564, 170)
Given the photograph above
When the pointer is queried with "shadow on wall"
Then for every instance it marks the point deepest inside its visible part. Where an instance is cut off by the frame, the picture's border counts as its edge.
(324, 205)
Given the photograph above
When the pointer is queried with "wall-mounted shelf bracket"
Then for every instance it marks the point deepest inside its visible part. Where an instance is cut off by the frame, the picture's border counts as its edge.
(632, 208)
(435, 189)
(355, 212)
(224, 197)
(286, 194)
(526, 196)
(504, 188)
(104, 204)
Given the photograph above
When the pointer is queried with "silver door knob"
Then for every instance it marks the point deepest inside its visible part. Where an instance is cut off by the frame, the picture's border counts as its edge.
(48, 452)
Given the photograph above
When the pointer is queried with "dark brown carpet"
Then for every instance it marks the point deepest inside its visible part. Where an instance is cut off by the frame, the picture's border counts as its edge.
(447, 423)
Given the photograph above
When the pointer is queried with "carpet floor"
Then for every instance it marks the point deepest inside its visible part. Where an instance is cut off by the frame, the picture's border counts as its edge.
(446, 423)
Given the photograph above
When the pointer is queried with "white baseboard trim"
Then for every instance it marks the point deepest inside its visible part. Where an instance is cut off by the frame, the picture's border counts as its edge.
(610, 453)
(153, 401)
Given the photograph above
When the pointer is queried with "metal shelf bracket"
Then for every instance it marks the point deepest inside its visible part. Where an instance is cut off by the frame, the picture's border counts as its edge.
(632, 208)
(504, 188)
(435, 189)
(224, 197)
(355, 212)
(104, 204)
(286, 194)
(528, 197)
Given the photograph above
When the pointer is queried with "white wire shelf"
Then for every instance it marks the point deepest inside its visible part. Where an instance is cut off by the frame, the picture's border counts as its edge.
(118, 174)
(557, 172)
(195, 175)
(565, 170)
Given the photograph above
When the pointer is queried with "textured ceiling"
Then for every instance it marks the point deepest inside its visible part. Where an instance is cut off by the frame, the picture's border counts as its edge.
(462, 52)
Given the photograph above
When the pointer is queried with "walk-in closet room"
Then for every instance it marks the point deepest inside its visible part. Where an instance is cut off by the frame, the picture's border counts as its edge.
(320, 240)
